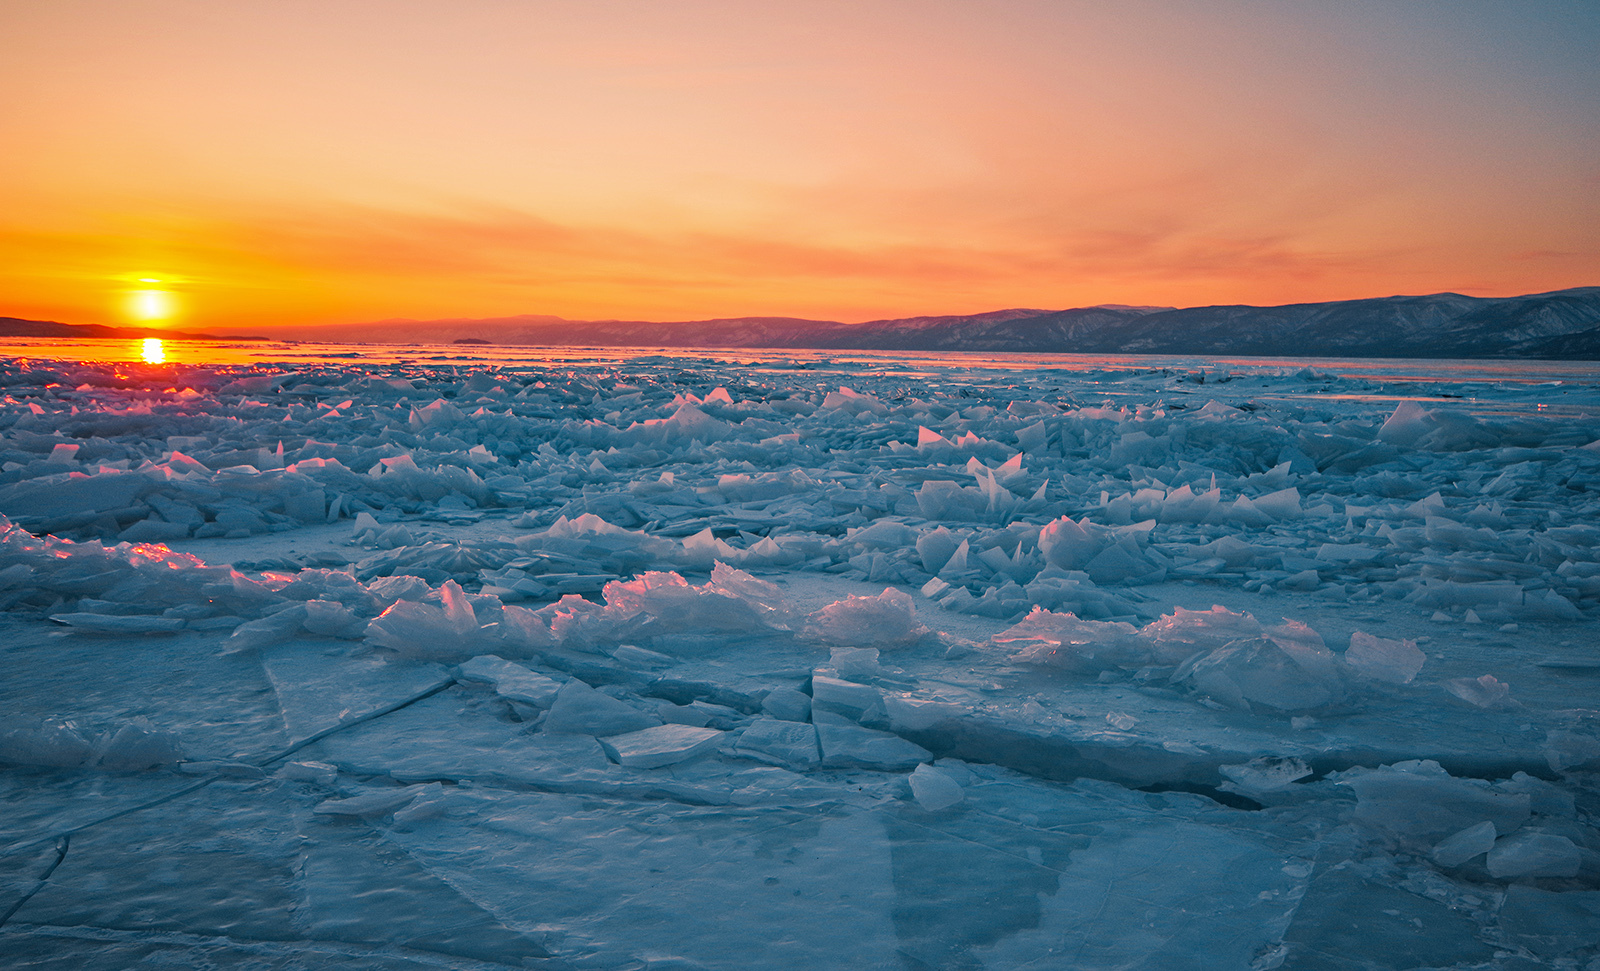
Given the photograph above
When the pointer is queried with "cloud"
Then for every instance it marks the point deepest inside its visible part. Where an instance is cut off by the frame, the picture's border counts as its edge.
(261, 266)
(500, 248)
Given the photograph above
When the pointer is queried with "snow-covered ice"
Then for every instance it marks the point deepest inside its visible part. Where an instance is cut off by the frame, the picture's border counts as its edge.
(775, 661)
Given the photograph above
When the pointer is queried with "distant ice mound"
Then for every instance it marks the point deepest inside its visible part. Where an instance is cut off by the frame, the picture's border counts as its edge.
(1225, 657)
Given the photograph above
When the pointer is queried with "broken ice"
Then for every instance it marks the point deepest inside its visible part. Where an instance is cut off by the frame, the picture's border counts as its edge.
(888, 662)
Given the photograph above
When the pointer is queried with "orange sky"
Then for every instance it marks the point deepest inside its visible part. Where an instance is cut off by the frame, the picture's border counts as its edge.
(287, 163)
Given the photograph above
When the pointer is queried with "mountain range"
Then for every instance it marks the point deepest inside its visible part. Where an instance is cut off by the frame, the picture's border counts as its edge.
(1564, 324)
(49, 329)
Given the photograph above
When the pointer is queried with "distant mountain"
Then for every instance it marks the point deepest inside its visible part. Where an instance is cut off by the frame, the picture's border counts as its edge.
(1564, 324)
(995, 330)
(20, 327)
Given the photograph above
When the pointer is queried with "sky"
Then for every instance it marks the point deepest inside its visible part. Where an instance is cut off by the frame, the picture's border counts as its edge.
(266, 165)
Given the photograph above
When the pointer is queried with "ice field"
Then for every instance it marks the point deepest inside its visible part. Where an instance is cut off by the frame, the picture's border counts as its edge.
(386, 658)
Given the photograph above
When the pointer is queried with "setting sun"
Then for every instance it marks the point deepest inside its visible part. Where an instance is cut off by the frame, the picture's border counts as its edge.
(149, 306)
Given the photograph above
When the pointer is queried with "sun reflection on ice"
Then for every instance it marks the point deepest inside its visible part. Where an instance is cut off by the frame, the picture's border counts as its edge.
(153, 351)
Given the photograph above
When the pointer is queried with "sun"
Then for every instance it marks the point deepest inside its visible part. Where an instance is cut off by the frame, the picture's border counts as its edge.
(149, 306)
(149, 302)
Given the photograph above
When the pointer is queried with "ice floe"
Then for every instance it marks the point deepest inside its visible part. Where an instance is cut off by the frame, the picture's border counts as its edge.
(989, 666)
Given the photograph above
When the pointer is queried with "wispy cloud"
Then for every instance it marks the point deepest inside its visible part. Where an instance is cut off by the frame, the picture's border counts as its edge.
(341, 263)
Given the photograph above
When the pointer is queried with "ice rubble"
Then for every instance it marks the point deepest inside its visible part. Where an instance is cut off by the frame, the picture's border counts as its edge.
(136, 744)
(627, 648)
(1014, 508)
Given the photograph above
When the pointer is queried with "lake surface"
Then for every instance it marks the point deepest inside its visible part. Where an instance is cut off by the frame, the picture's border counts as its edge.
(907, 363)
(1478, 386)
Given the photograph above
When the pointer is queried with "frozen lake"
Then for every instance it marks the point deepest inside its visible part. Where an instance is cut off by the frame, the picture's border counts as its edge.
(465, 656)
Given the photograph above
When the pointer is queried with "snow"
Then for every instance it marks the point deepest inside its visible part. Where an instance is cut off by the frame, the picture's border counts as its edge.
(885, 663)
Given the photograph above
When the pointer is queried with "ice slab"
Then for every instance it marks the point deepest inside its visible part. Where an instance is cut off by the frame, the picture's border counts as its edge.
(1283, 673)
(843, 697)
(451, 736)
(781, 742)
(579, 709)
(933, 789)
(366, 891)
(319, 772)
(864, 886)
(1460, 847)
(787, 704)
(1266, 774)
(1420, 801)
(606, 896)
(368, 805)
(120, 623)
(885, 621)
(318, 690)
(216, 863)
(510, 680)
(1384, 659)
(652, 748)
(1348, 917)
(1551, 924)
(1485, 691)
(847, 745)
(1060, 731)
(1534, 854)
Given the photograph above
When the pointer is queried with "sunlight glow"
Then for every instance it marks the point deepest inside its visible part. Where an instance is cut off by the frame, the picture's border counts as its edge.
(893, 160)
(153, 351)
(150, 306)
